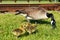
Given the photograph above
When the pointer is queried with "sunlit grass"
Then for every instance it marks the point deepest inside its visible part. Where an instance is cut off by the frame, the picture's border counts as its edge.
(8, 22)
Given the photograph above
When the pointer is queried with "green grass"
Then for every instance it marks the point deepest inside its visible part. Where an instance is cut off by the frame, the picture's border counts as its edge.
(31, 2)
(8, 22)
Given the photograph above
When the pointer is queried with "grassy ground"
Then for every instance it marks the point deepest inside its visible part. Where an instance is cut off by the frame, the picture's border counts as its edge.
(8, 22)
(25, 2)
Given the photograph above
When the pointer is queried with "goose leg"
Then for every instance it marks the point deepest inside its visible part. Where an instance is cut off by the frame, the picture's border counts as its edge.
(53, 22)
(28, 20)
(36, 23)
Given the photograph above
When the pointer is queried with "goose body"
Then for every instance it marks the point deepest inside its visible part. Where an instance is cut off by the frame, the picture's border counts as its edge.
(34, 13)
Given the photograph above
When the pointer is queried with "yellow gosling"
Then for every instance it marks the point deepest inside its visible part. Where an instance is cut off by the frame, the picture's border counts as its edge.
(19, 31)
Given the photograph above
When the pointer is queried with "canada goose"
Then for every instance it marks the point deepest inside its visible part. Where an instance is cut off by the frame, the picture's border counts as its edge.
(36, 13)
(18, 31)
(30, 28)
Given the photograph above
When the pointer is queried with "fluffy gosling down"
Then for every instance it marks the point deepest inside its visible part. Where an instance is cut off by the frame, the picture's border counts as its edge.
(19, 31)
(30, 28)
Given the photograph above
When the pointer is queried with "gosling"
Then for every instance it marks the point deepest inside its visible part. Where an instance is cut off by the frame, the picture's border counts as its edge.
(19, 31)
(30, 28)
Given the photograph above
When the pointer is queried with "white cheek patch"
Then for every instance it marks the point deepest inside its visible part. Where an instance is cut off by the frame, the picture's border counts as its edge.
(23, 14)
(51, 22)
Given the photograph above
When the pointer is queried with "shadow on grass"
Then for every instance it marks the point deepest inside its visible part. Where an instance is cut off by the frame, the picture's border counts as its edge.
(27, 34)
(33, 21)
(38, 21)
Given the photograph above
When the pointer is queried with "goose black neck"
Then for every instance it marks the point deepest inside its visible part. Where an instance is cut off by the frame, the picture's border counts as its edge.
(53, 22)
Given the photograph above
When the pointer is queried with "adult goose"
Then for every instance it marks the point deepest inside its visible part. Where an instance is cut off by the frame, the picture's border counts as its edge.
(36, 13)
